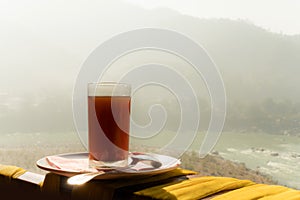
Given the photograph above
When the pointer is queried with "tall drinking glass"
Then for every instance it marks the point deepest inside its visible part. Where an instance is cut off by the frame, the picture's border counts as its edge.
(108, 124)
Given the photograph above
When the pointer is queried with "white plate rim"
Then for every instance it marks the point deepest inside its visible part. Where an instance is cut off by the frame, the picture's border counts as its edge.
(43, 164)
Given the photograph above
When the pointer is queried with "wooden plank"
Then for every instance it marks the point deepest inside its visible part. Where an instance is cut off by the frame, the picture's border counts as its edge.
(32, 178)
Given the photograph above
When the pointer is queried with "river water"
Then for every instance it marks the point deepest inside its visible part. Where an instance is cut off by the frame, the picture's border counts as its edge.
(274, 155)
(277, 156)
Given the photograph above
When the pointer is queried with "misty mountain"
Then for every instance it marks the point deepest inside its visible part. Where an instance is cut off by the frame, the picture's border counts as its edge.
(255, 63)
(40, 63)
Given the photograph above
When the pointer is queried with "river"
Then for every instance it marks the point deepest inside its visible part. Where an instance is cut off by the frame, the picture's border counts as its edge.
(274, 155)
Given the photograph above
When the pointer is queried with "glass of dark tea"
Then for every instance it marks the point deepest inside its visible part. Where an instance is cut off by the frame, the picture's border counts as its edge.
(108, 124)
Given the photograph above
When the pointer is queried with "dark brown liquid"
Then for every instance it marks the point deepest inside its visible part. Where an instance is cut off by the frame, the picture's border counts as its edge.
(109, 119)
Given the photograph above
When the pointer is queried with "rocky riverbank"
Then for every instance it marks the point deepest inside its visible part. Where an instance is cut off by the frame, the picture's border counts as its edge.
(212, 164)
(215, 165)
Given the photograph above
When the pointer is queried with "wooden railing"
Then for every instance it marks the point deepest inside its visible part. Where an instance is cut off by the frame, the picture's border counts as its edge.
(33, 186)
(52, 186)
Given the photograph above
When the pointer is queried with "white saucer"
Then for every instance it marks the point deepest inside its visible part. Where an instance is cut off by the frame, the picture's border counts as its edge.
(168, 163)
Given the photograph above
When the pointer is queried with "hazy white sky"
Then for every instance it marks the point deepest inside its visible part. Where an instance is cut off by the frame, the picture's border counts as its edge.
(281, 16)
(42, 34)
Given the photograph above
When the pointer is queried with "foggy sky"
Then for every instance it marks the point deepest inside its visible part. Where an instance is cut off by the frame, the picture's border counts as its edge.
(44, 43)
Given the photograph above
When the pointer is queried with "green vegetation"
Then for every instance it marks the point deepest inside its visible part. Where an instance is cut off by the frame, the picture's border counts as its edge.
(269, 116)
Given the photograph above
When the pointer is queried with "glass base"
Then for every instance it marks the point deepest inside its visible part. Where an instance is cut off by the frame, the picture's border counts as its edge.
(107, 164)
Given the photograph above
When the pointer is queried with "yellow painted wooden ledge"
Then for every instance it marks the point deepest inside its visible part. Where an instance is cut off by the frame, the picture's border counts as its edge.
(235, 189)
(11, 171)
(195, 187)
